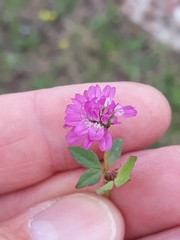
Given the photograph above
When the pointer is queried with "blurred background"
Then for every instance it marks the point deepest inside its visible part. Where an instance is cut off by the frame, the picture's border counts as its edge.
(46, 43)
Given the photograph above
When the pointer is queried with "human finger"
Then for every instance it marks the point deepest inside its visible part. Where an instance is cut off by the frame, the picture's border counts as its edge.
(77, 216)
(149, 202)
(172, 233)
(32, 141)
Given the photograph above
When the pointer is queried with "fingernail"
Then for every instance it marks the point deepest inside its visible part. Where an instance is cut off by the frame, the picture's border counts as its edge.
(77, 216)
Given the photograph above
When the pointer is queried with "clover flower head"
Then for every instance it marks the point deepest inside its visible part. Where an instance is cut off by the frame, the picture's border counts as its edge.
(91, 115)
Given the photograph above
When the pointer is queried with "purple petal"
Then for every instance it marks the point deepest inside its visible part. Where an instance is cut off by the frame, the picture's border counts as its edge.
(101, 102)
(87, 143)
(106, 90)
(88, 106)
(81, 99)
(71, 108)
(106, 142)
(96, 134)
(73, 138)
(105, 119)
(85, 94)
(91, 92)
(112, 92)
(72, 119)
(95, 116)
(92, 110)
(66, 126)
(81, 129)
(97, 91)
(115, 121)
(112, 106)
(128, 111)
(109, 92)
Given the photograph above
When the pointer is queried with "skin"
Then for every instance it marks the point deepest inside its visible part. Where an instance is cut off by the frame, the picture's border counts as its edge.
(36, 166)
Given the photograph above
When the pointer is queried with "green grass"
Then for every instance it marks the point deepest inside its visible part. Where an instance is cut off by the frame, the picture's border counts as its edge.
(101, 46)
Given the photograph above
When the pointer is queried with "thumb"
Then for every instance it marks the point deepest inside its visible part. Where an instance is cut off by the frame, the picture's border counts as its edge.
(77, 216)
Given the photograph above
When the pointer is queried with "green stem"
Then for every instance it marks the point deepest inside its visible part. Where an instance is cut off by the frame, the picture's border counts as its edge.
(106, 161)
(106, 169)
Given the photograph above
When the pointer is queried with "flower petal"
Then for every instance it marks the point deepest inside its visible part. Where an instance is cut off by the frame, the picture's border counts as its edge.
(87, 143)
(109, 92)
(81, 129)
(95, 133)
(72, 119)
(79, 98)
(97, 91)
(128, 111)
(105, 119)
(71, 108)
(106, 142)
(73, 138)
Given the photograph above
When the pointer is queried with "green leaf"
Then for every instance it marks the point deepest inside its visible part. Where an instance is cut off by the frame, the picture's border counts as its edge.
(89, 178)
(86, 158)
(106, 187)
(125, 172)
(115, 151)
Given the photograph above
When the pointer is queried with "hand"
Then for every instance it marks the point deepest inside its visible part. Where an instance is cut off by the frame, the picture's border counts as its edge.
(36, 167)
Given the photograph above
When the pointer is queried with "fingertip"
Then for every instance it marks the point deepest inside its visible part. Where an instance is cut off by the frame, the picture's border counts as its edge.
(153, 115)
(80, 215)
(76, 216)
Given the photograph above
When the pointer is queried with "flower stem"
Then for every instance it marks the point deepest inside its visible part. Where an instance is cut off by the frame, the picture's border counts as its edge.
(106, 169)
(106, 162)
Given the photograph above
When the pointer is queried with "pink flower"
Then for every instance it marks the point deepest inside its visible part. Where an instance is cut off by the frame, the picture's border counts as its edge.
(91, 115)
